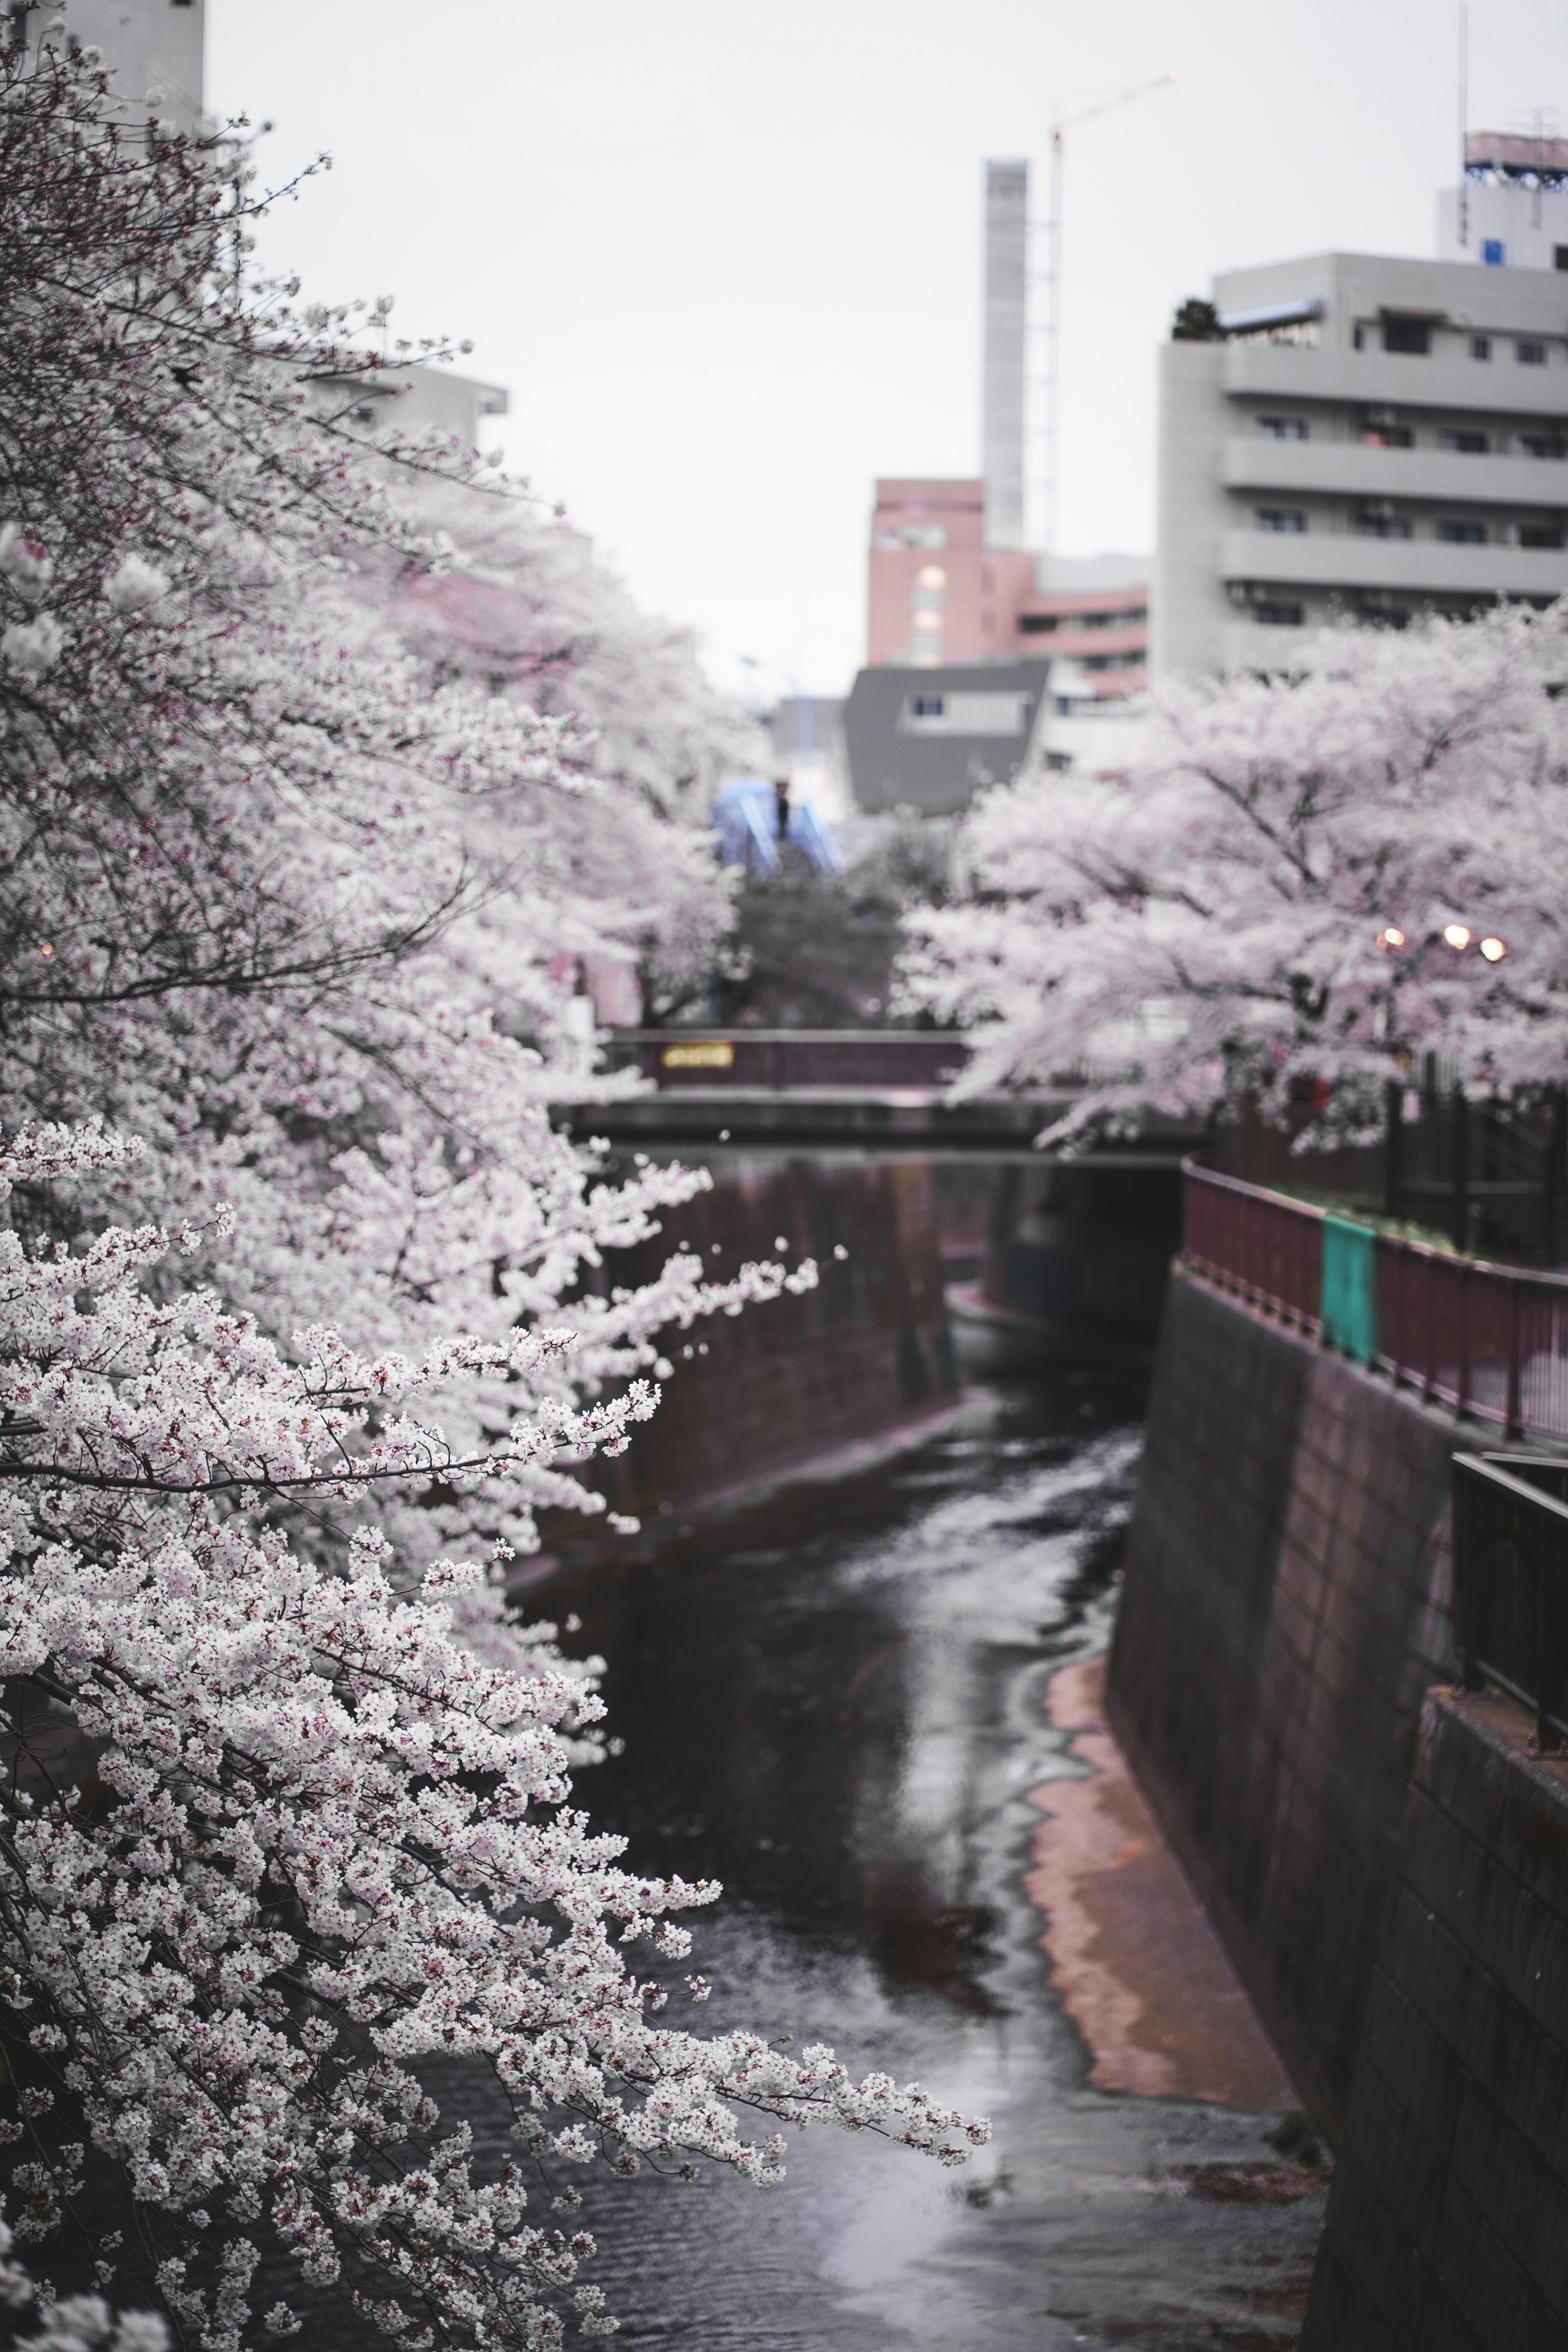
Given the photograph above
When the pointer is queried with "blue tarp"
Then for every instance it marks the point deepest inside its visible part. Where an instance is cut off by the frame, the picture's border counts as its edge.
(745, 817)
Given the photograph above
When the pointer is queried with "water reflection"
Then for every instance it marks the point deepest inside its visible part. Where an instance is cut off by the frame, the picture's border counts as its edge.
(834, 1703)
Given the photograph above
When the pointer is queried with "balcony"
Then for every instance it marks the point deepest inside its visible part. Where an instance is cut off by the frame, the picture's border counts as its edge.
(1498, 387)
(1420, 566)
(1351, 469)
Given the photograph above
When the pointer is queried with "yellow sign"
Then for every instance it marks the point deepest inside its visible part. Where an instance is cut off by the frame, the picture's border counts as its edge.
(704, 1054)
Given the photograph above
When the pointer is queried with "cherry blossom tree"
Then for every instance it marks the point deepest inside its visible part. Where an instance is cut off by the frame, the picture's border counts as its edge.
(1311, 877)
(288, 1806)
(271, 896)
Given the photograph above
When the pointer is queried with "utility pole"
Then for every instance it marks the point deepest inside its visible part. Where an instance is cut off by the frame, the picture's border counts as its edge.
(1064, 122)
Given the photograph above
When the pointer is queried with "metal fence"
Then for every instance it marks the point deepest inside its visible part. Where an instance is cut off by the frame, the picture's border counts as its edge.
(1511, 1581)
(1491, 1341)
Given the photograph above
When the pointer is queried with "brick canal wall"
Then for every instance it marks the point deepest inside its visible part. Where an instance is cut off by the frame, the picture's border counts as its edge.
(765, 1391)
(1447, 2221)
(1284, 1614)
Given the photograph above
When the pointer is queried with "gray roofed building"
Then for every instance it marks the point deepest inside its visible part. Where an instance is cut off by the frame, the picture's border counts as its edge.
(931, 738)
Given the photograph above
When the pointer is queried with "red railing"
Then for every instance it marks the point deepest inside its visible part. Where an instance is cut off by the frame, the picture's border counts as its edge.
(1491, 1341)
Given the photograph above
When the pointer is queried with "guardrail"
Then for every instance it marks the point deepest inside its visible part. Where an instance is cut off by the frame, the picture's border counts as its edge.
(1510, 1583)
(1491, 1341)
(851, 1060)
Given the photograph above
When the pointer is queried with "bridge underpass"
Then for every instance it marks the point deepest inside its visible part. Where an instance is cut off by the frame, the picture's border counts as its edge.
(1062, 1251)
(834, 1092)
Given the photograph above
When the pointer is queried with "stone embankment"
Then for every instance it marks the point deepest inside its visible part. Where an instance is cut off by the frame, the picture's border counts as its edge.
(1388, 1864)
(864, 1357)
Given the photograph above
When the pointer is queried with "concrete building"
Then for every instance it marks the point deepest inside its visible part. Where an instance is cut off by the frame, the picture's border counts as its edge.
(928, 740)
(412, 399)
(1006, 340)
(937, 590)
(1367, 436)
(1511, 209)
(154, 50)
(1091, 614)
(154, 53)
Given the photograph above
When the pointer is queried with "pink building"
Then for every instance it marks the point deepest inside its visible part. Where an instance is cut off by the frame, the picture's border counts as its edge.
(937, 594)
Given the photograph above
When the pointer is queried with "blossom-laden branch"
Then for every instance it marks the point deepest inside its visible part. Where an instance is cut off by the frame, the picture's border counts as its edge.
(1274, 896)
(271, 1836)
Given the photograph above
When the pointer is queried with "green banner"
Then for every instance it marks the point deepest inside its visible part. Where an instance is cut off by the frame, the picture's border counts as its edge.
(1349, 1288)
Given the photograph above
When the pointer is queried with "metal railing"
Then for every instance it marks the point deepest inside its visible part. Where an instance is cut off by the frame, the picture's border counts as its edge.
(1491, 1341)
(1510, 1583)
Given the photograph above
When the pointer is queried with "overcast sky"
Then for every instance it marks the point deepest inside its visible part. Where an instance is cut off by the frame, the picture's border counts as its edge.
(725, 254)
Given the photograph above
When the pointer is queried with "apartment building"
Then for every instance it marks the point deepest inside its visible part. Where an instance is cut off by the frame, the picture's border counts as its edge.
(1362, 435)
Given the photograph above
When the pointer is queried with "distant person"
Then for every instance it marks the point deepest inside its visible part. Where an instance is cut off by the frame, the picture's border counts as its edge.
(781, 798)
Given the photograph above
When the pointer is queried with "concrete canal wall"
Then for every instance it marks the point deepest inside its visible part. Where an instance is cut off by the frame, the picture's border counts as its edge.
(864, 1354)
(1388, 1864)
(1285, 1613)
(1447, 2221)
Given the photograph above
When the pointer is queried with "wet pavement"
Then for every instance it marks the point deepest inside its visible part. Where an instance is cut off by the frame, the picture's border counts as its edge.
(839, 1701)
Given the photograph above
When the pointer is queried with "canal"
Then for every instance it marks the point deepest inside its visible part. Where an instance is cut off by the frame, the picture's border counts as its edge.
(839, 1701)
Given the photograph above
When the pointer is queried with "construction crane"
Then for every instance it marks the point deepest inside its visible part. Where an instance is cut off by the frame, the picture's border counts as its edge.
(1061, 125)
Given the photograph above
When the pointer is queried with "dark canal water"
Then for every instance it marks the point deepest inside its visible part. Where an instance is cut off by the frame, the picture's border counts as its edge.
(833, 1702)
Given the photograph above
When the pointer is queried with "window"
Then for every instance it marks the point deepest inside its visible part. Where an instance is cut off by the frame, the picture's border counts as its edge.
(1493, 252)
(1469, 444)
(1530, 354)
(1283, 428)
(1388, 436)
(1481, 347)
(1281, 519)
(1540, 534)
(1560, 256)
(1006, 713)
(1372, 524)
(1544, 445)
(1358, 337)
(1462, 534)
(911, 534)
(1413, 335)
(1036, 625)
(925, 596)
(1275, 614)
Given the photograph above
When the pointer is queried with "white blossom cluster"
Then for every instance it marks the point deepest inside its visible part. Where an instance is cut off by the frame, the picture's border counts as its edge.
(1310, 881)
(321, 1836)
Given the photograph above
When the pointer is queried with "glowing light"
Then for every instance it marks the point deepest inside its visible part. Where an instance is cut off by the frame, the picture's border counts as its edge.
(1391, 938)
(1494, 950)
(1457, 936)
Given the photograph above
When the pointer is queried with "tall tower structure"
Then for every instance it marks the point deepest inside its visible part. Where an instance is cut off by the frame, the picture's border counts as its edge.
(1006, 280)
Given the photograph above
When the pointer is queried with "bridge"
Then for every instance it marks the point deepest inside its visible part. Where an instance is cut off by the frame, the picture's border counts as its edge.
(863, 1092)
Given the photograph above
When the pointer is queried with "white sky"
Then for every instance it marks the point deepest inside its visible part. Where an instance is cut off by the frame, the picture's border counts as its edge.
(726, 252)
